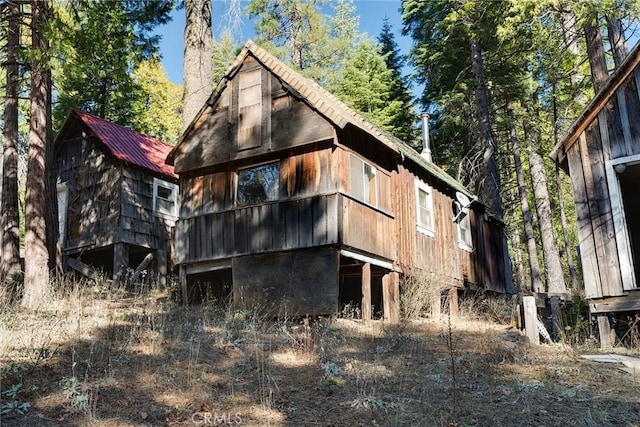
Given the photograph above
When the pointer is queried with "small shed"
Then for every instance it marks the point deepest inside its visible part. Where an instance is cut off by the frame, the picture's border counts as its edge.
(292, 200)
(601, 153)
(116, 199)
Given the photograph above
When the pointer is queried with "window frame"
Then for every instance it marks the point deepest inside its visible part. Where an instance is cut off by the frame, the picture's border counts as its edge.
(364, 196)
(157, 183)
(462, 243)
(253, 166)
(420, 226)
(62, 189)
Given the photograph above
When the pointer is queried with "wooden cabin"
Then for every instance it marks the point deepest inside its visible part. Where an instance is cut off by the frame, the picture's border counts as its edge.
(292, 200)
(117, 199)
(601, 153)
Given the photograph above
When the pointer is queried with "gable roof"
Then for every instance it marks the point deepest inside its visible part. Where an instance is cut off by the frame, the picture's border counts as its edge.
(127, 145)
(322, 101)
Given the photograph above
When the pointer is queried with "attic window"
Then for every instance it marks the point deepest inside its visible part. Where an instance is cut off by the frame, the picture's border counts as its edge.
(165, 198)
(424, 209)
(258, 184)
(363, 180)
(250, 110)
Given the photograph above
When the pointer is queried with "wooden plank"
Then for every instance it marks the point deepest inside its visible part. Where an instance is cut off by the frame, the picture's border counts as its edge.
(391, 297)
(630, 302)
(120, 261)
(183, 284)
(83, 268)
(453, 302)
(588, 257)
(319, 220)
(600, 209)
(366, 292)
(633, 112)
(138, 271)
(531, 319)
(625, 256)
(305, 225)
(607, 333)
(624, 118)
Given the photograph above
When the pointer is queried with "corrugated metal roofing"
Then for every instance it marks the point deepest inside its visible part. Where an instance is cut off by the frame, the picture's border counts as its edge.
(128, 145)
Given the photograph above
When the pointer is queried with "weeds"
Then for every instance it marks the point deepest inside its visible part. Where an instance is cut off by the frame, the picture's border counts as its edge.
(12, 404)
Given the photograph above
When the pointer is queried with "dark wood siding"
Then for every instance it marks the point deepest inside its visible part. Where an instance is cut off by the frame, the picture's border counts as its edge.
(286, 123)
(93, 183)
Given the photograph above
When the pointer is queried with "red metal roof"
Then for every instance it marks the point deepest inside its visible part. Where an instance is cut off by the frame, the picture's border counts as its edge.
(129, 145)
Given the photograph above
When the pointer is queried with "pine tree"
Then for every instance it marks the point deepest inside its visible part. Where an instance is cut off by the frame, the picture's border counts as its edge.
(404, 124)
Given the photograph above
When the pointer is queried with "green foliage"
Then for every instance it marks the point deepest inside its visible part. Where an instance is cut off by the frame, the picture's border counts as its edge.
(98, 46)
(224, 53)
(12, 404)
(159, 112)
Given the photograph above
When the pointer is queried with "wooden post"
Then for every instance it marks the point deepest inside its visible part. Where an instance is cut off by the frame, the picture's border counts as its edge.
(531, 319)
(436, 305)
(366, 291)
(183, 285)
(390, 297)
(162, 263)
(607, 333)
(453, 302)
(120, 262)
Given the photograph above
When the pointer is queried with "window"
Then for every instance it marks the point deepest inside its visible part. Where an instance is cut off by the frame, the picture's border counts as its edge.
(63, 197)
(424, 208)
(258, 184)
(464, 233)
(363, 181)
(165, 198)
(250, 110)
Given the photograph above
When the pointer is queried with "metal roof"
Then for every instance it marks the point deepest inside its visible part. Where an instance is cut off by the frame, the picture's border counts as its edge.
(128, 145)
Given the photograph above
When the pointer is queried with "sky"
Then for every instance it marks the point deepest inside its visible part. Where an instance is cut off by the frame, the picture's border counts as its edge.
(371, 12)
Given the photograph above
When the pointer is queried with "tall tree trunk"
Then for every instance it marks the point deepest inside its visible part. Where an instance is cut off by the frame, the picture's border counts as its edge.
(37, 286)
(570, 36)
(527, 219)
(550, 254)
(563, 216)
(51, 214)
(597, 60)
(492, 175)
(10, 260)
(615, 34)
(198, 52)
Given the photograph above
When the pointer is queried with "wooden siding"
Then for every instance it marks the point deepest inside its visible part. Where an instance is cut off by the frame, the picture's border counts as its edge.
(613, 132)
(140, 226)
(93, 183)
(108, 202)
(438, 254)
(286, 123)
(293, 224)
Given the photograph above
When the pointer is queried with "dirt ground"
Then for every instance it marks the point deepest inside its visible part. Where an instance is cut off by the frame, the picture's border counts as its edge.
(123, 360)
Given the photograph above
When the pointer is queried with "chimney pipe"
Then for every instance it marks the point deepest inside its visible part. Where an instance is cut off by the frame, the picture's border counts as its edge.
(426, 147)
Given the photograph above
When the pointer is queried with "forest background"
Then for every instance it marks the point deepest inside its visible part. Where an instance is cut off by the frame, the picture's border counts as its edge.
(501, 80)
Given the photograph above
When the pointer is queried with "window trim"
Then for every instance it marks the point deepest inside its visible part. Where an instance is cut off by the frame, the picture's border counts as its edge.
(157, 182)
(255, 165)
(422, 228)
(467, 246)
(364, 199)
(62, 188)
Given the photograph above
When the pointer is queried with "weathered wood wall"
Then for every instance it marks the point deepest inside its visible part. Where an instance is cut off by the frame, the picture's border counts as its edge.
(439, 255)
(94, 198)
(286, 123)
(613, 132)
(109, 203)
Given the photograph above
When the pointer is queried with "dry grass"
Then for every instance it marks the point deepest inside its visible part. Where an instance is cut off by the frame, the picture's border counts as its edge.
(101, 358)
